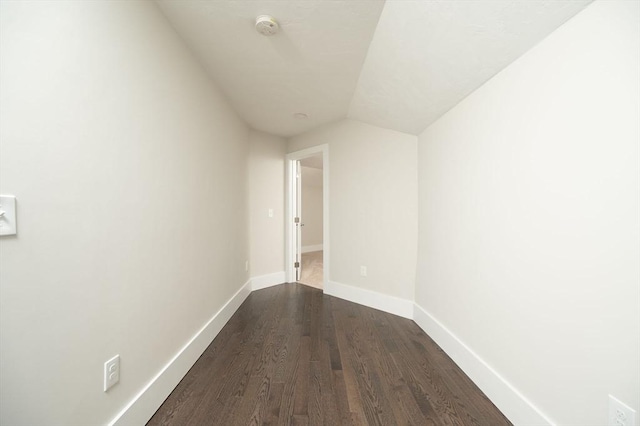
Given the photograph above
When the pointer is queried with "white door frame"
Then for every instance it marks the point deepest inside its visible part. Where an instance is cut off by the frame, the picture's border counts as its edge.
(290, 234)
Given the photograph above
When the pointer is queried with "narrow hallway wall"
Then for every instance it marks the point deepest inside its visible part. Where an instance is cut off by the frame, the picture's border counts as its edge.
(529, 240)
(266, 192)
(130, 173)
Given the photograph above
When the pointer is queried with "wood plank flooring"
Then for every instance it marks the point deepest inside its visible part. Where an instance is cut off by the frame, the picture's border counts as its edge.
(294, 356)
(311, 272)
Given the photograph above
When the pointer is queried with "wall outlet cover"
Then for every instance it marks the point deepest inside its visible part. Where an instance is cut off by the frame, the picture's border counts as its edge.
(8, 224)
(620, 414)
(111, 372)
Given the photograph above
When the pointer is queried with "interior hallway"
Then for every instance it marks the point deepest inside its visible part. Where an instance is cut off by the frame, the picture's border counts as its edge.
(482, 177)
(292, 355)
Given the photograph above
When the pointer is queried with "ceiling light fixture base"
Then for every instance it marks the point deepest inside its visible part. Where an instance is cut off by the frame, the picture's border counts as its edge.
(267, 25)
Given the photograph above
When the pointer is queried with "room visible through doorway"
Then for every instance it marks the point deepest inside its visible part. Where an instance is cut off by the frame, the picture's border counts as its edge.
(312, 224)
(311, 221)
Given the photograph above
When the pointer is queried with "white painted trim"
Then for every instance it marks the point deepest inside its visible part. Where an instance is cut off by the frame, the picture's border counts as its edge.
(140, 409)
(326, 258)
(268, 280)
(290, 237)
(372, 299)
(518, 409)
(309, 249)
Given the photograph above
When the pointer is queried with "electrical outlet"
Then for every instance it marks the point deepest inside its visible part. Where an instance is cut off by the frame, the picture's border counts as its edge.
(7, 215)
(620, 414)
(246, 266)
(111, 372)
(363, 271)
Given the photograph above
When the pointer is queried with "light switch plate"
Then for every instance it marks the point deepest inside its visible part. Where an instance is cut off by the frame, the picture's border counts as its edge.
(8, 224)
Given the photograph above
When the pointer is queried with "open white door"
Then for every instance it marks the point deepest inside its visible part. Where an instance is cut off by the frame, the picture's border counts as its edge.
(298, 220)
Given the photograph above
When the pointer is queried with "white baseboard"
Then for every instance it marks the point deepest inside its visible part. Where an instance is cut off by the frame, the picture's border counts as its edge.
(145, 404)
(372, 299)
(508, 399)
(315, 247)
(268, 280)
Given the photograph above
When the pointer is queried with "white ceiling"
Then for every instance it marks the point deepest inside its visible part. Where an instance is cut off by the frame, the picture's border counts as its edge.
(315, 162)
(311, 66)
(398, 65)
(426, 56)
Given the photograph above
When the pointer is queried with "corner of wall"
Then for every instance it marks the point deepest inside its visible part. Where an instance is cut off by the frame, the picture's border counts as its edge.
(267, 280)
(372, 299)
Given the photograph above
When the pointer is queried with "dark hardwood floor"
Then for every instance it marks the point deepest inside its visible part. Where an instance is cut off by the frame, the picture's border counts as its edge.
(294, 356)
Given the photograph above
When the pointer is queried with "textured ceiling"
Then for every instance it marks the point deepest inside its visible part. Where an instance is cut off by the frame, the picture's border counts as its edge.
(398, 65)
(426, 56)
(311, 66)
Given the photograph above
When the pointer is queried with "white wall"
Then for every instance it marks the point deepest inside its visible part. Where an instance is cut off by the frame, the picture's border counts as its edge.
(130, 173)
(529, 241)
(373, 199)
(311, 206)
(266, 191)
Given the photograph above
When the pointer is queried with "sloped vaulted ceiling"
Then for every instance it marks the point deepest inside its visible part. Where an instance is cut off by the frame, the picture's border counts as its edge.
(398, 64)
(426, 56)
(311, 66)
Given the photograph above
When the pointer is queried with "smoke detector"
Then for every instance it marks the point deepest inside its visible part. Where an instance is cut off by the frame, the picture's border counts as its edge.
(267, 25)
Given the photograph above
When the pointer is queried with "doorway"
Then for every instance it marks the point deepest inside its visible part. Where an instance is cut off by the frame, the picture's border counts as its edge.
(307, 248)
(310, 212)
